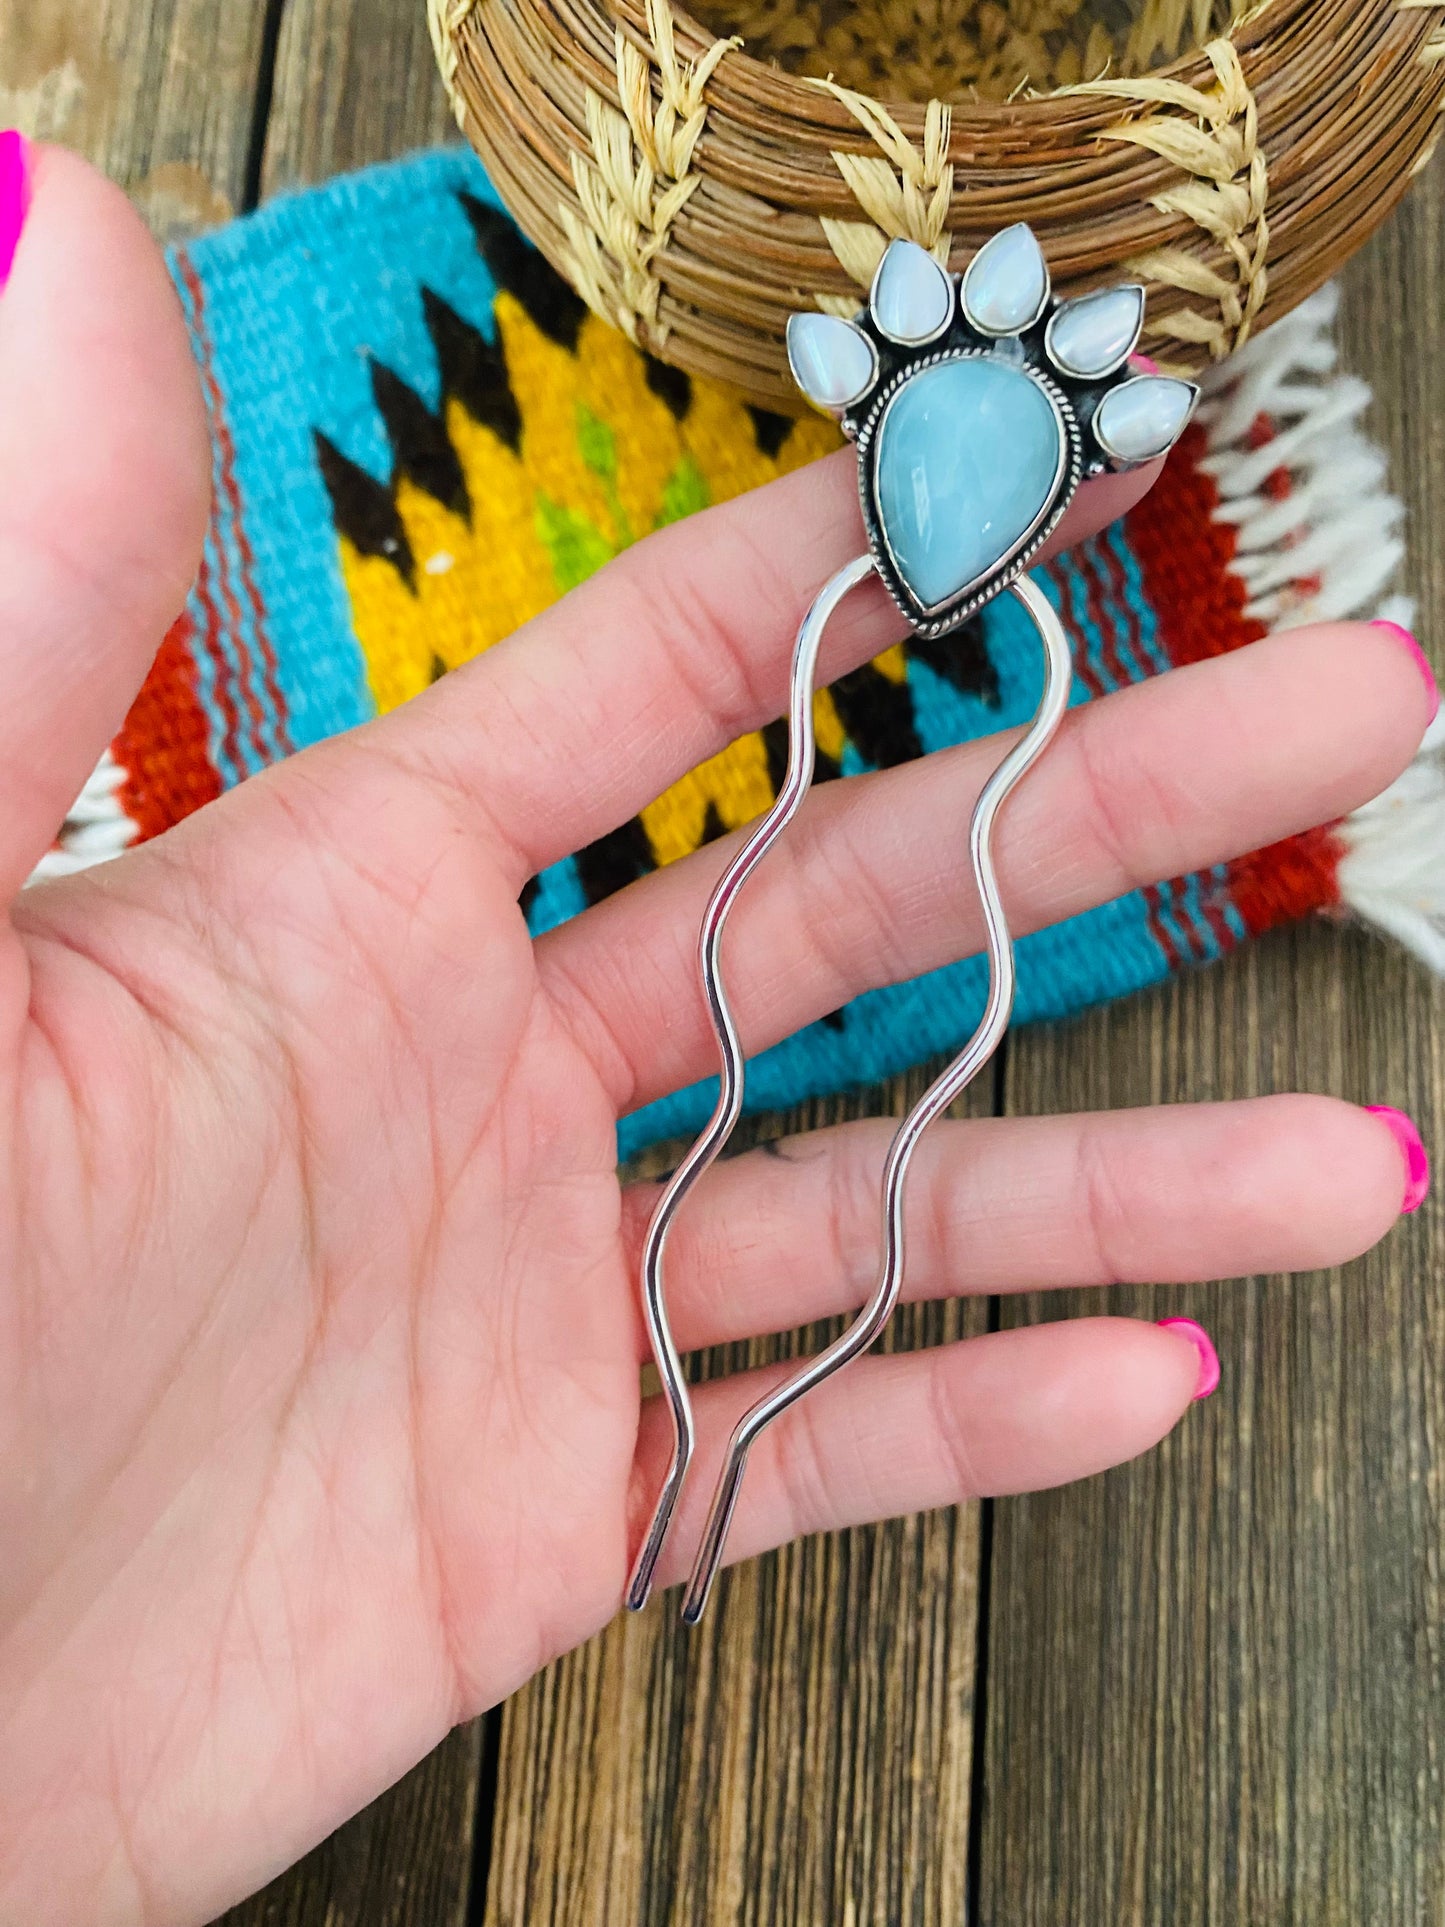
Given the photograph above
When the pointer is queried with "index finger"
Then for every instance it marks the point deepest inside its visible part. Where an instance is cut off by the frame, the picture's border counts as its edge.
(673, 651)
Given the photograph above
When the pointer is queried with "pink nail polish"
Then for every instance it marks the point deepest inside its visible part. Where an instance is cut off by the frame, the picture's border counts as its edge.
(1144, 364)
(14, 197)
(1422, 661)
(1199, 1338)
(1412, 1147)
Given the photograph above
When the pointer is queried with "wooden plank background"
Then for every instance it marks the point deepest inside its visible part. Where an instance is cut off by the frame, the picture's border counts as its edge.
(1206, 1689)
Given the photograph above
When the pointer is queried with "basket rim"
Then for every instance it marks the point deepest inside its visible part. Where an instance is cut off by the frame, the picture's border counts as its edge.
(807, 98)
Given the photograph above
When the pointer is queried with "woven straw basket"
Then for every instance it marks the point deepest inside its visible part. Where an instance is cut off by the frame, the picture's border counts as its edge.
(697, 183)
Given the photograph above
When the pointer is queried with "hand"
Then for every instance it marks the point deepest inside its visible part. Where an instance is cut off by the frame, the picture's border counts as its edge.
(319, 1344)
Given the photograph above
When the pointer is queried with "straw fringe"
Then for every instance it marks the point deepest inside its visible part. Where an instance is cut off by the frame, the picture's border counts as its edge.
(1213, 137)
(445, 19)
(1433, 50)
(1303, 118)
(906, 195)
(638, 178)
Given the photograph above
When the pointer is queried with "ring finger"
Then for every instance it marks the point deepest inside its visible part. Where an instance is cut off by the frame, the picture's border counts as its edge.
(870, 887)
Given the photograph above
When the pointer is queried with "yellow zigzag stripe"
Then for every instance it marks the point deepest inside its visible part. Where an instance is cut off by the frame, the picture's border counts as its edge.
(603, 461)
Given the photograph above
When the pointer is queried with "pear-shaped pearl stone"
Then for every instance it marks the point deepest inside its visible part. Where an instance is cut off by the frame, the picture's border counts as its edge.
(1007, 283)
(832, 361)
(1095, 334)
(969, 459)
(1142, 418)
(912, 297)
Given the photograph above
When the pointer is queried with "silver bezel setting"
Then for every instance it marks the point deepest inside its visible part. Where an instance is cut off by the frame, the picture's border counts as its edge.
(836, 409)
(1133, 461)
(1119, 361)
(1075, 398)
(912, 341)
(1002, 334)
(935, 619)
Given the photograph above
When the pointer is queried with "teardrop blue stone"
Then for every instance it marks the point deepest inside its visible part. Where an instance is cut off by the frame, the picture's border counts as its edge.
(968, 459)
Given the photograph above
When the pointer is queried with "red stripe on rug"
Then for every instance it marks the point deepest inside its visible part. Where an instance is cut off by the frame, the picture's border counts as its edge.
(230, 492)
(164, 743)
(1224, 936)
(223, 682)
(1063, 579)
(1184, 555)
(1288, 880)
(1159, 926)
(1096, 592)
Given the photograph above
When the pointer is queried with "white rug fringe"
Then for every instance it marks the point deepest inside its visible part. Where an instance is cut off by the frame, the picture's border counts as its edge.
(1393, 872)
(1325, 548)
(96, 829)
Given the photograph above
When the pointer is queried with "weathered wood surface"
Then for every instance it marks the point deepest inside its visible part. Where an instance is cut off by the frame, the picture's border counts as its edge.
(165, 95)
(1216, 1680)
(805, 1755)
(1213, 1686)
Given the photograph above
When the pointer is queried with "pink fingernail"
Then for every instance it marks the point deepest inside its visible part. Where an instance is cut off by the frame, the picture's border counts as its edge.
(1422, 661)
(14, 197)
(1145, 363)
(1412, 1147)
(1199, 1338)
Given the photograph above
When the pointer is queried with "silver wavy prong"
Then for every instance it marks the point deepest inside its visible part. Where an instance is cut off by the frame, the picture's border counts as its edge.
(795, 786)
(869, 1323)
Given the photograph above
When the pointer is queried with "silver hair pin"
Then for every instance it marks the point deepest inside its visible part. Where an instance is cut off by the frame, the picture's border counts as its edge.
(978, 404)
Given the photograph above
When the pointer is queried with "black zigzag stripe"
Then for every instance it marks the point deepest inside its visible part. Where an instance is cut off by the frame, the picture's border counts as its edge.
(672, 386)
(364, 509)
(770, 430)
(615, 860)
(962, 659)
(421, 448)
(474, 371)
(877, 715)
(515, 265)
(775, 748)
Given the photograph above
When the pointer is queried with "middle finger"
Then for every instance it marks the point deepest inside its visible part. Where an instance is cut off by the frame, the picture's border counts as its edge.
(871, 886)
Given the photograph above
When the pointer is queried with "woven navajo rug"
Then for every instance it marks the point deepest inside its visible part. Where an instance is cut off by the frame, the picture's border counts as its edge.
(421, 438)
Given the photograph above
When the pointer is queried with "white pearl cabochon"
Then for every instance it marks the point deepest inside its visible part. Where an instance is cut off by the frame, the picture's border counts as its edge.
(912, 298)
(1144, 417)
(1004, 291)
(1007, 283)
(1095, 334)
(832, 362)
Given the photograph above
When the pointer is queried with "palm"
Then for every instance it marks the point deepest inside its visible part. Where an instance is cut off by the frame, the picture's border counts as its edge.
(321, 1423)
(427, 1161)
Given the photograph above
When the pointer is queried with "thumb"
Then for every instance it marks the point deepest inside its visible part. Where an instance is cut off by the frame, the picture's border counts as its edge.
(104, 481)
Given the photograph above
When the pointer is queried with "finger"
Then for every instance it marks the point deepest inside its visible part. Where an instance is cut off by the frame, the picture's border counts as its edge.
(872, 885)
(103, 489)
(1017, 1411)
(789, 1233)
(672, 652)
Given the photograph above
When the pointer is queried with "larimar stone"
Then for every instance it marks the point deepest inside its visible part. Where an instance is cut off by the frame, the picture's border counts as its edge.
(1093, 336)
(912, 297)
(1143, 417)
(1007, 283)
(968, 459)
(832, 362)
